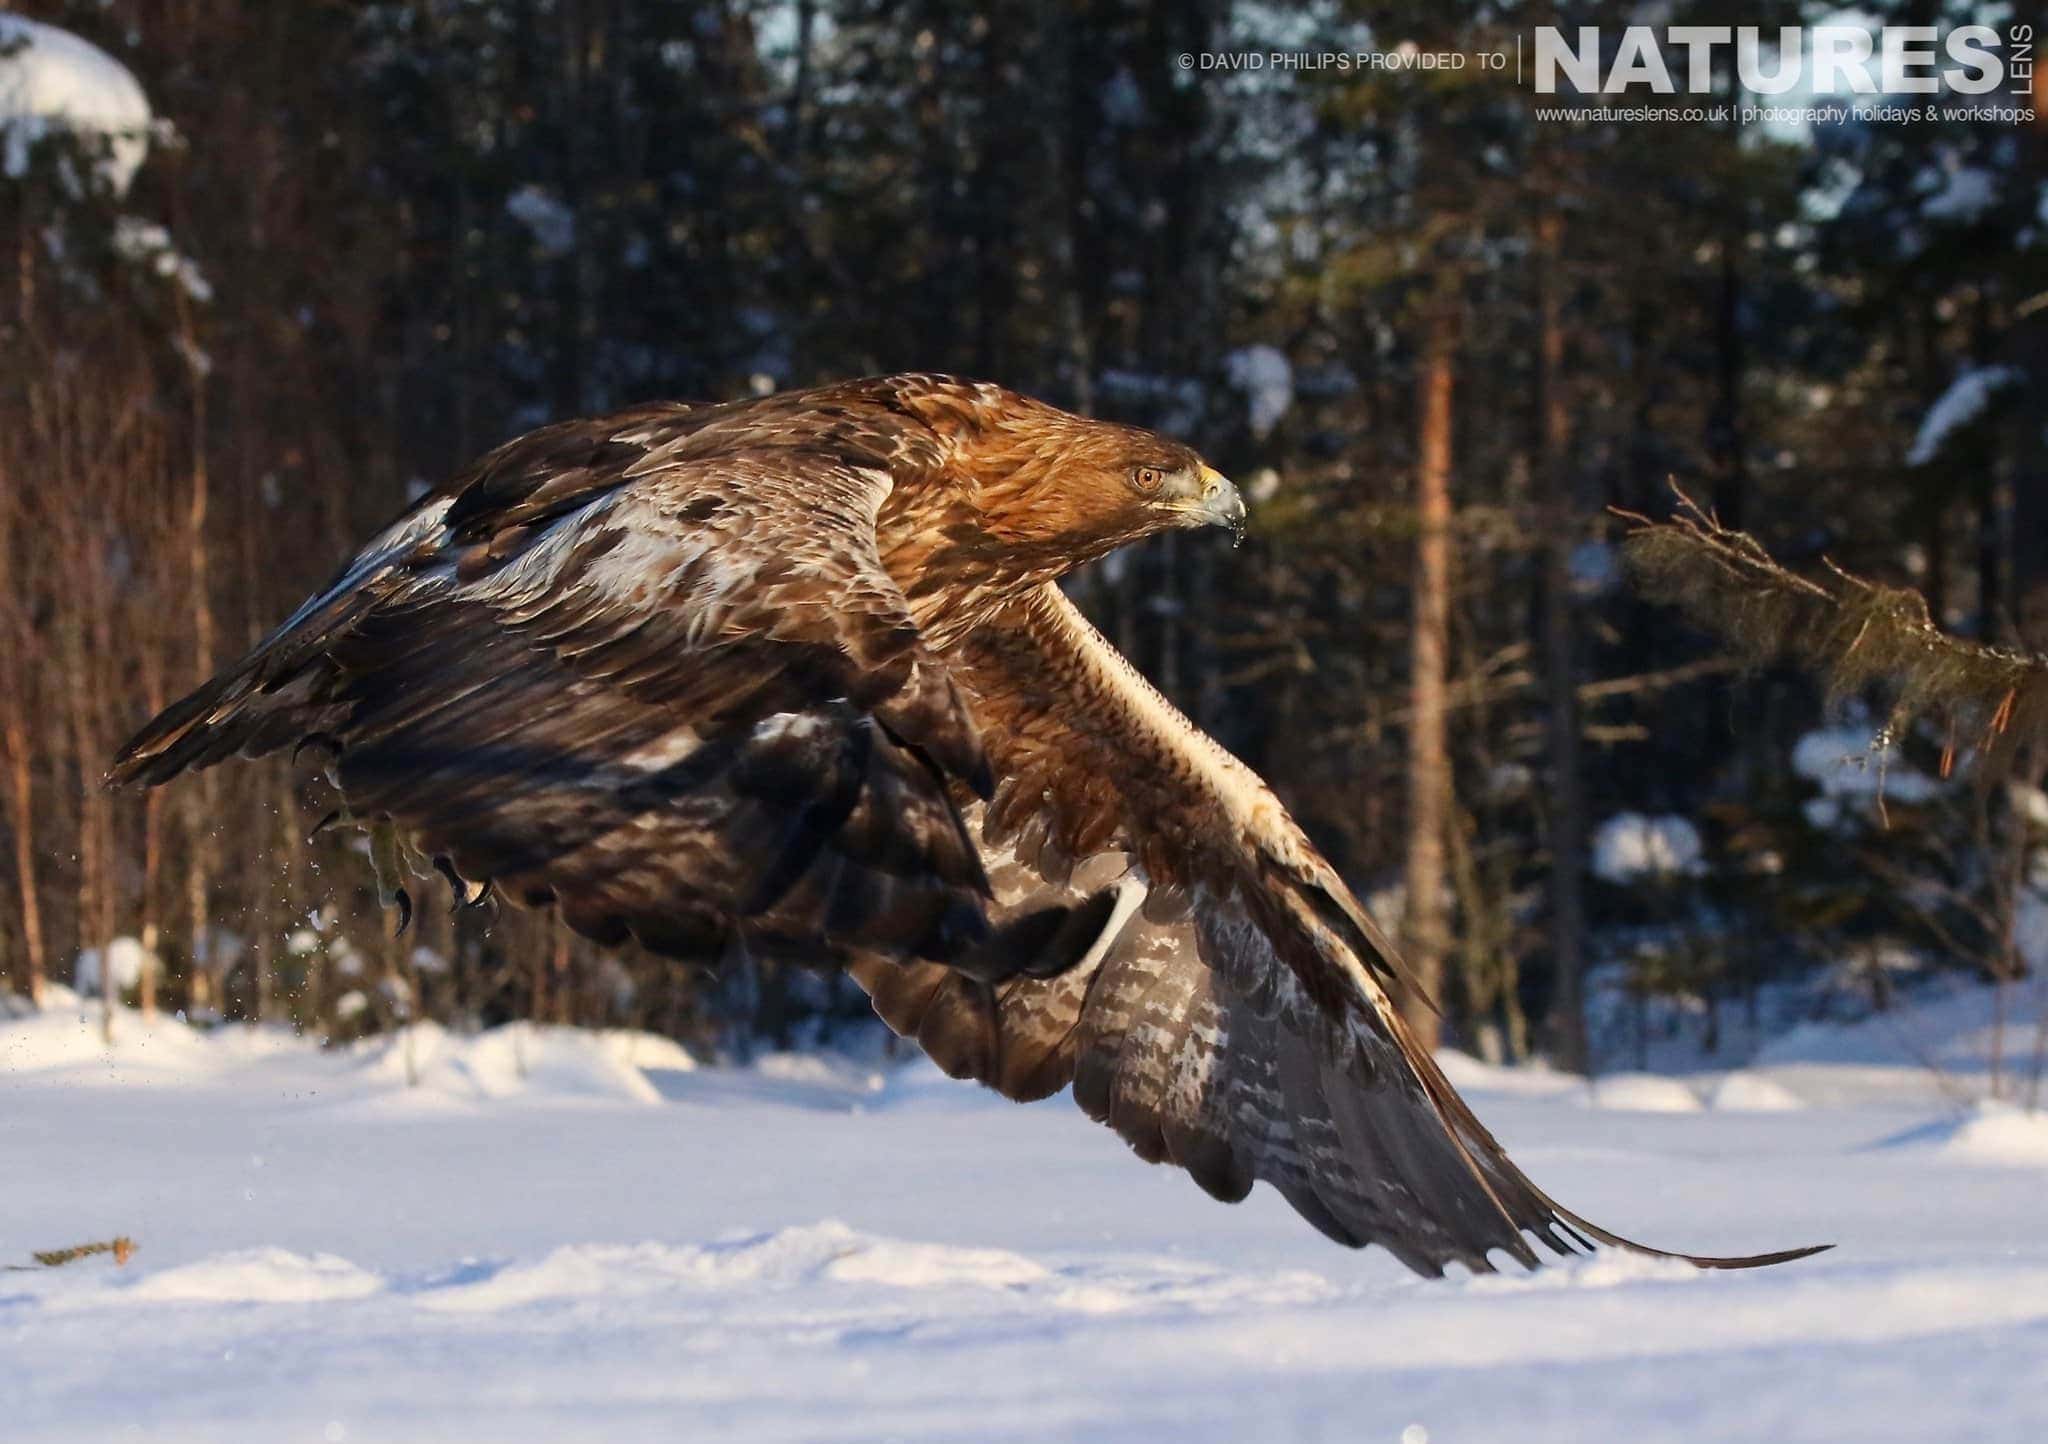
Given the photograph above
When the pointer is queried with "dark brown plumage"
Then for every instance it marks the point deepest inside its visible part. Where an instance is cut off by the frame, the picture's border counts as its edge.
(794, 675)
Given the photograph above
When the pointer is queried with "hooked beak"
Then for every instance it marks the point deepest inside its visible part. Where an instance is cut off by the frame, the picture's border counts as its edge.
(1220, 505)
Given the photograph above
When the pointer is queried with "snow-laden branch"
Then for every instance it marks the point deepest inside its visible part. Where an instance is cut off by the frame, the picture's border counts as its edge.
(51, 80)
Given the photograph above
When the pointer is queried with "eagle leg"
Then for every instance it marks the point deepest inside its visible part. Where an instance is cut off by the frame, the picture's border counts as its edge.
(384, 859)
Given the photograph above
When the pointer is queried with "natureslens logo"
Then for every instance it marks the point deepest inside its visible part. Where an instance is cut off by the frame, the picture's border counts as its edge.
(1818, 60)
(1782, 75)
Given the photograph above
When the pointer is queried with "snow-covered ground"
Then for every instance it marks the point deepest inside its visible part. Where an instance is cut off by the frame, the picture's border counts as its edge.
(553, 1236)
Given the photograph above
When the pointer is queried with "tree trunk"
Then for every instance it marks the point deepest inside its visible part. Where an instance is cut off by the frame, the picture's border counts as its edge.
(152, 934)
(95, 879)
(2029, 447)
(563, 978)
(35, 959)
(1567, 1025)
(152, 841)
(1429, 769)
(201, 790)
(1724, 424)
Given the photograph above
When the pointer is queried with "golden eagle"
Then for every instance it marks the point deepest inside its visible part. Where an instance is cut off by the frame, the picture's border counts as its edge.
(794, 675)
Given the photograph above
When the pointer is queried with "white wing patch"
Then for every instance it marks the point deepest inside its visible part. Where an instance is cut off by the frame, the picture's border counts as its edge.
(1130, 895)
(664, 751)
(393, 542)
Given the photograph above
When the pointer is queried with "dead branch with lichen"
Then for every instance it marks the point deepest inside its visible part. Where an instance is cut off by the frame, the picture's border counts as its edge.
(122, 1248)
(1852, 633)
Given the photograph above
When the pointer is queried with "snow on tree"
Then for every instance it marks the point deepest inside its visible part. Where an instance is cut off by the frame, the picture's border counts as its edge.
(52, 82)
(1852, 761)
(1967, 398)
(552, 224)
(1959, 193)
(1630, 847)
(149, 245)
(127, 958)
(1855, 768)
(1263, 374)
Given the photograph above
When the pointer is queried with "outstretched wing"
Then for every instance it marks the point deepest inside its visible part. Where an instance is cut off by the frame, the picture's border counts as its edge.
(661, 682)
(1236, 1022)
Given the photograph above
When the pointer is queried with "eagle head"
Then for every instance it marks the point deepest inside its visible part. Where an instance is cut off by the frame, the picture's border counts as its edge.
(1047, 479)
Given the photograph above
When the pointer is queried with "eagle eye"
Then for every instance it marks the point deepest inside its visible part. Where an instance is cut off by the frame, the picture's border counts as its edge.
(1148, 479)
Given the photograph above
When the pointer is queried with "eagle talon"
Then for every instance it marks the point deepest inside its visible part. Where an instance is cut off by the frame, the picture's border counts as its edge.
(325, 741)
(464, 893)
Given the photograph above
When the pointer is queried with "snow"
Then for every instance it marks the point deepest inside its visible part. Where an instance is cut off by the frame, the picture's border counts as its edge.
(50, 81)
(1992, 1133)
(2030, 919)
(1849, 763)
(551, 224)
(1642, 1093)
(128, 956)
(421, 1068)
(66, 1040)
(257, 1276)
(1595, 569)
(1174, 403)
(1629, 846)
(1746, 1092)
(1965, 1041)
(1263, 374)
(1959, 193)
(1472, 1075)
(429, 1066)
(2029, 801)
(840, 1249)
(149, 245)
(1963, 402)
(1123, 104)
